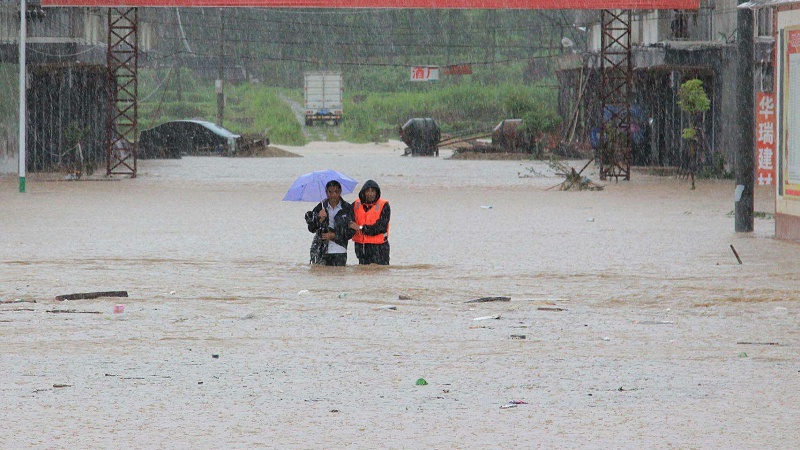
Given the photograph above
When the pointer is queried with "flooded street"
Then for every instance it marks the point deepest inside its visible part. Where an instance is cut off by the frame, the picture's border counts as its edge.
(641, 328)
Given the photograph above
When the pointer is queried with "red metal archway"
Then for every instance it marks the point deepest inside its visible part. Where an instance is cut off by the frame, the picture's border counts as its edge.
(408, 4)
(616, 68)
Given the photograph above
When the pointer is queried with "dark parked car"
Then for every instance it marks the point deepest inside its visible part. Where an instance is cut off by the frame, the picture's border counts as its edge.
(186, 137)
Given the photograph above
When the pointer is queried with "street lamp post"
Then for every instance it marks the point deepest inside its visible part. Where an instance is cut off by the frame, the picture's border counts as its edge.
(23, 31)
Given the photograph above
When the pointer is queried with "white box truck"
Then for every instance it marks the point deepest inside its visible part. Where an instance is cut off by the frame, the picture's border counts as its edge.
(323, 95)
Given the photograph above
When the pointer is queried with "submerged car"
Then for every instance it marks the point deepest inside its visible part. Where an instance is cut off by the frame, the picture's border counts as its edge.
(171, 140)
(422, 135)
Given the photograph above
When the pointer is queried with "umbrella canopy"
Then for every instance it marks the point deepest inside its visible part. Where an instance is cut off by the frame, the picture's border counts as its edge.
(311, 186)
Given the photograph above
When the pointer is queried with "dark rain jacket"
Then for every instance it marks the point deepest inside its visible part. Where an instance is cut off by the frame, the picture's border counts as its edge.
(341, 222)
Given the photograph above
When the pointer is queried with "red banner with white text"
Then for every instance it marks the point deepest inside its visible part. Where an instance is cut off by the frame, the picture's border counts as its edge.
(765, 139)
(455, 4)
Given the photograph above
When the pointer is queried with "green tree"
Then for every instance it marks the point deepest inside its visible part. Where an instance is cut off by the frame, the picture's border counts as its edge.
(692, 99)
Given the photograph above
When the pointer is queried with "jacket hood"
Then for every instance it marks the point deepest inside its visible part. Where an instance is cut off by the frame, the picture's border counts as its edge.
(367, 185)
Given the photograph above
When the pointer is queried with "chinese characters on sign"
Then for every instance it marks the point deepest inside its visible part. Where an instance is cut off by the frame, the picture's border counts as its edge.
(460, 69)
(765, 139)
(424, 73)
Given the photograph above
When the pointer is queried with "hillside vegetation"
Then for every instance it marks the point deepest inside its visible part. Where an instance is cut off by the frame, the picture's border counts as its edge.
(267, 50)
(459, 106)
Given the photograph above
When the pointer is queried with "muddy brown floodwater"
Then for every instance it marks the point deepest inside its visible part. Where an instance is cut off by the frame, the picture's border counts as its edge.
(641, 328)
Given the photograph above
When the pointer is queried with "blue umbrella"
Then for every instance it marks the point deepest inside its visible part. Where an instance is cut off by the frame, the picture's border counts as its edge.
(311, 186)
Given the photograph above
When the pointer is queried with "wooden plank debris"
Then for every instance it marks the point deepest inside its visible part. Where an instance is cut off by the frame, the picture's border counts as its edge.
(736, 254)
(489, 299)
(90, 295)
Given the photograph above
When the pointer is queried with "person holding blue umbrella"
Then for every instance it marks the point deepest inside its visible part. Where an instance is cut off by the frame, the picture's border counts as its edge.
(330, 221)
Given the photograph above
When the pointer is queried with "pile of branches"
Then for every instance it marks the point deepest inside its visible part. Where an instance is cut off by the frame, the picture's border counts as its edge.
(574, 180)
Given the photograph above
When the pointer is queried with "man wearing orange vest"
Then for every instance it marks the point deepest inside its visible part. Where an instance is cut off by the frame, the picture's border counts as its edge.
(371, 225)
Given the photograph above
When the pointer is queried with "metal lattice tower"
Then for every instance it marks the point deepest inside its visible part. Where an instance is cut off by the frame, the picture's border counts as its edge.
(122, 122)
(616, 71)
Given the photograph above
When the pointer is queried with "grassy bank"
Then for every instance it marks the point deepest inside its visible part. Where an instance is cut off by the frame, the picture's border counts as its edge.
(459, 107)
(249, 108)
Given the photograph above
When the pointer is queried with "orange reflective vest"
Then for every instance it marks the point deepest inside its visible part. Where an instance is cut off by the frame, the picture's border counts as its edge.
(369, 218)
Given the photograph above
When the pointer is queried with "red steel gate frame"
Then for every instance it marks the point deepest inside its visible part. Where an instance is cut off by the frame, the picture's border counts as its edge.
(616, 71)
(122, 122)
(615, 149)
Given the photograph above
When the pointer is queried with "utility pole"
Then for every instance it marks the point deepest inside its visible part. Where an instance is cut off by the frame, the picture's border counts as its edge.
(179, 54)
(220, 85)
(179, 80)
(23, 132)
(745, 157)
(247, 62)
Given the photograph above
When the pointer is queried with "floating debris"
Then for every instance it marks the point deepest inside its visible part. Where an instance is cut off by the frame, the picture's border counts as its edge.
(496, 316)
(736, 254)
(573, 179)
(489, 299)
(90, 295)
(513, 404)
(17, 300)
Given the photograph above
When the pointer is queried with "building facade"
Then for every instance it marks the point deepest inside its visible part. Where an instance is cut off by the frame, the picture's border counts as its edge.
(669, 47)
(786, 113)
(67, 84)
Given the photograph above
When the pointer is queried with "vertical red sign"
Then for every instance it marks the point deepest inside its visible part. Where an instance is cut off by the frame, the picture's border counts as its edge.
(765, 139)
